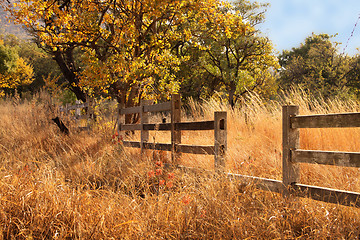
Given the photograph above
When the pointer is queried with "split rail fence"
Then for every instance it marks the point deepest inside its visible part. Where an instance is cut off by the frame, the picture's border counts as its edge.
(219, 126)
(292, 155)
(78, 113)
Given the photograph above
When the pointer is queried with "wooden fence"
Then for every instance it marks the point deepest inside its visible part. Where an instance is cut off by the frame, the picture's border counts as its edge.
(292, 156)
(219, 125)
(78, 113)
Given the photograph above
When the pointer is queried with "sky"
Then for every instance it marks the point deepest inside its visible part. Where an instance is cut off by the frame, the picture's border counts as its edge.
(289, 22)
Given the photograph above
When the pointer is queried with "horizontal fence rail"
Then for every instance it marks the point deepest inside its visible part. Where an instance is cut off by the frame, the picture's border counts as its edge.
(218, 125)
(160, 107)
(183, 148)
(130, 110)
(346, 198)
(190, 126)
(342, 159)
(261, 183)
(196, 149)
(343, 120)
(329, 195)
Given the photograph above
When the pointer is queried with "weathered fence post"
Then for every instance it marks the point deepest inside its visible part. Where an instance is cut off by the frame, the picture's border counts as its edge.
(90, 111)
(144, 119)
(67, 105)
(119, 116)
(175, 134)
(78, 109)
(90, 108)
(220, 136)
(291, 141)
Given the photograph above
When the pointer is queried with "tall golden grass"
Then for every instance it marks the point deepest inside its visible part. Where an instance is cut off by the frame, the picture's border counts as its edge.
(87, 186)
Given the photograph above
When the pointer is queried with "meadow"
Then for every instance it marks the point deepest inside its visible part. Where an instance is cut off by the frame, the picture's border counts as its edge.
(88, 186)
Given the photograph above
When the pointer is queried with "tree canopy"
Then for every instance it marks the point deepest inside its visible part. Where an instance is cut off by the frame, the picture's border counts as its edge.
(14, 70)
(318, 68)
(134, 49)
(234, 58)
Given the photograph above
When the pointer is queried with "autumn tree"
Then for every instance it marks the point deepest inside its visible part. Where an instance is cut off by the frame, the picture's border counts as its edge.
(43, 65)
(14, 71)
(124, 45)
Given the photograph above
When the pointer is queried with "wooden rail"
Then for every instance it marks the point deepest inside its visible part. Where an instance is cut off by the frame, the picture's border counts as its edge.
(78, 106)
(176, 126)
(342, 120)
(194, 126)
(329, 195)
(343, 159)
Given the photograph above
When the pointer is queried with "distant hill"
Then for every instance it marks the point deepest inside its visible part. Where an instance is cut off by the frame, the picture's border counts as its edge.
(7, 28)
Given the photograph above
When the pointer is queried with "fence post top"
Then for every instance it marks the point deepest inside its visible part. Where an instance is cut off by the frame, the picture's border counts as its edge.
(290, 106)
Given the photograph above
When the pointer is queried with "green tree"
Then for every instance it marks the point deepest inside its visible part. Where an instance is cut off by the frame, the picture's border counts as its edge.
(14, 71)
(232, 58)
(42, 63)
(353, 76)
(317, 67)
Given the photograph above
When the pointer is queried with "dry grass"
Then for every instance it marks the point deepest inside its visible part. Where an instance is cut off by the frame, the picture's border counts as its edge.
(84, 186)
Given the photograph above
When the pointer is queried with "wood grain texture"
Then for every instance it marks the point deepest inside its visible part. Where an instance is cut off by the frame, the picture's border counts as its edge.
(329, 195)
(290, 140)
(343, 159)
(160, 107)
(131, 144)
(195, 149)
(261, 183)
(195, 126)
(158, 146)
(220, 143)
(182, 126)
(175, 134)
(326, 121)
(157, 126)
(144, 119)
(129, 127)
(130, 110)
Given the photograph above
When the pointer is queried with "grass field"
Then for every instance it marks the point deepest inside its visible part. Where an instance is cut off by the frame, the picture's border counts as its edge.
(86, 186)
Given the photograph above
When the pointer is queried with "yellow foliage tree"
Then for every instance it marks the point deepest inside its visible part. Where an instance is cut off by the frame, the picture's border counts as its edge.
(232, 58)
(14, 71)
(127, 47)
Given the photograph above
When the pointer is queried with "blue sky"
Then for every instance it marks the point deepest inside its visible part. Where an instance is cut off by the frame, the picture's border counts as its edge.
(289, 22)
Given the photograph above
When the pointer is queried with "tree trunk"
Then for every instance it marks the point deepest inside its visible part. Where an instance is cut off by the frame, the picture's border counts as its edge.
(67, 66)
(231, 90)
(120, 90)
